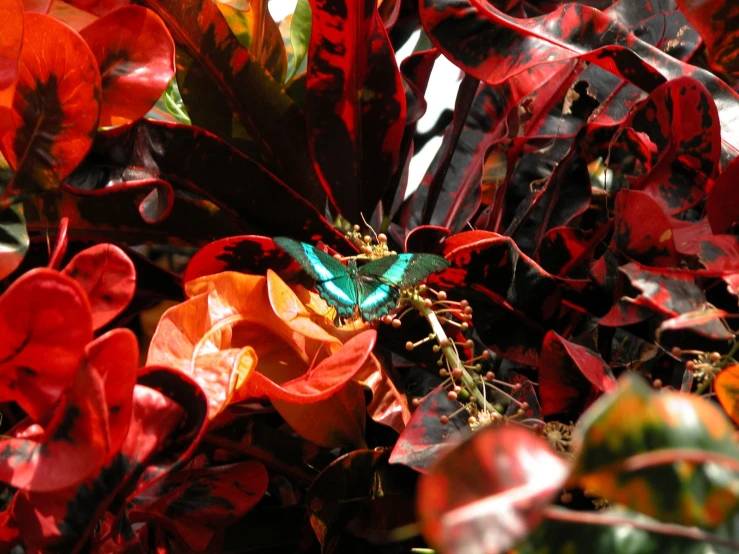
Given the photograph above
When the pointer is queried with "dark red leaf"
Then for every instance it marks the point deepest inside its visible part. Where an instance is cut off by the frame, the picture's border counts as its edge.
(55, 108)
(681, 119)
(722, 206)
(663, 297)
(362, 494)
(222, 84)
(195, 503)
(505, 286)
(135, 53)
(471, 32)
(214, 171)
(191, 403)
(247, 254)
(570, 376)
(488, 493)
(45, 322)
(355, 104)
(717, 22)
(425, 438)
(72, 446)
(99, 7)
(642, 231)
(108, 277)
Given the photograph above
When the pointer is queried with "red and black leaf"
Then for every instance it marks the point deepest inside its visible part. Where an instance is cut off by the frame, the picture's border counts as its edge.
(717, 22)
(571, 377)
(681, 120)
(425, 438)
(135, 53)
(45, 322)
(108, 276)
(355, 104)
(471, 32)
(55, 107)
(251, 254)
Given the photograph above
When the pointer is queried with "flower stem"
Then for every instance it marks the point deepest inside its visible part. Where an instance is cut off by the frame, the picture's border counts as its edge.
(451, 354)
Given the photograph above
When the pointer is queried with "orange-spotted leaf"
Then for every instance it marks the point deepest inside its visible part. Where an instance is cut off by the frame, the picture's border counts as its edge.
(726, 386)
(11, 14)
(489, 492)
(659, 452)
(45, 323)
(55, 107)
(319, 382)
(136, 55)
(108, 277)
(72, 446)
(115, 356)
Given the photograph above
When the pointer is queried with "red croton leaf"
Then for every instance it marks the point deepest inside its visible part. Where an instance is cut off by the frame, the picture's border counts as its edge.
(45, 322)
(11, 14)
(570, 376)
(488, 493)
(115, 356)
(55, 107)
(355, 104)
(108, 277)
(717, 21)
(71, 446)
(195, 504)
(63, 520)
(425, 438)
(470, 33)
(681, 119)
(319, 382)
(135, 53)
(722, 206)
(251, 254)
(642, 231)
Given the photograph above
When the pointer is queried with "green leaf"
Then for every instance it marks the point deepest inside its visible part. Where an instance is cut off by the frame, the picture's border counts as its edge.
(300, 36)
(662, 453)
(170, 106)
(257, 32)
(13, 239)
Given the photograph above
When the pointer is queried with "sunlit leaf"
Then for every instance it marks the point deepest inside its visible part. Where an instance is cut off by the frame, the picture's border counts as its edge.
(726, 386)
(135, 53)
(108, 277)
(55, 108)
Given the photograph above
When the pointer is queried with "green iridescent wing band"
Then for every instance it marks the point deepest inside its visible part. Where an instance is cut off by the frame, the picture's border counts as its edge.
(332, 278)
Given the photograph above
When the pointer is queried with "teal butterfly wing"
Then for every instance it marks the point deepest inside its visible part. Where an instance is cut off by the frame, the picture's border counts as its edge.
(333, 281)
(379, 282)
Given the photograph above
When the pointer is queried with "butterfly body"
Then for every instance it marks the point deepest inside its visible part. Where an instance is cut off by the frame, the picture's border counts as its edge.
(369, 291)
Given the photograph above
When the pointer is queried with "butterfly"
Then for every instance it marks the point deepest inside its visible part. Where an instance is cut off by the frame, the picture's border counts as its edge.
(369, 291)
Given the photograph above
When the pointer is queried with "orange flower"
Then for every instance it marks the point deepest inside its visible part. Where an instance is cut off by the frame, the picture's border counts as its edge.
(245, 336)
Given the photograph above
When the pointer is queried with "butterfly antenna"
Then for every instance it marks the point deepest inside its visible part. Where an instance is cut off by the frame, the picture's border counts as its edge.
(369, 227)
